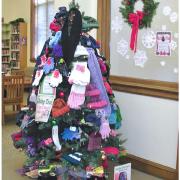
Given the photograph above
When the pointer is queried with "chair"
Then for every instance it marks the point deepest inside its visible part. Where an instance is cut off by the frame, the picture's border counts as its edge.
(12, 92)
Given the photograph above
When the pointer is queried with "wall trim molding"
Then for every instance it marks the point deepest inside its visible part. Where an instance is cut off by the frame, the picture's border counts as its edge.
(155, 88)
(150, 167)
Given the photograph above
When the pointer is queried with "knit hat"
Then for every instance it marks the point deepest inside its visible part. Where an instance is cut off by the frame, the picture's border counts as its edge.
(71, 34)
(59, 108)
(80, 51)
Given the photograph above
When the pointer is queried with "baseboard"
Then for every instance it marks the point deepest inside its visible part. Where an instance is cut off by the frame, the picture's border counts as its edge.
(152, 168)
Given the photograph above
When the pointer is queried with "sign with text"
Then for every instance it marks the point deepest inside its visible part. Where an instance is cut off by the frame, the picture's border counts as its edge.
(43, 107)
(122, 172)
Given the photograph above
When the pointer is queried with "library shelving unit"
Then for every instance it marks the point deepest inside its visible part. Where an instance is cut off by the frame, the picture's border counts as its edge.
(6, 46)
(18, 34)
(14, 46)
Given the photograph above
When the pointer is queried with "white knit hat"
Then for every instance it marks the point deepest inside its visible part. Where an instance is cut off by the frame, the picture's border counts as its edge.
(81, 51)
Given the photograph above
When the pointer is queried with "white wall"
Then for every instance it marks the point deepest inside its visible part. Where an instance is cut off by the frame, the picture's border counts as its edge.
(150, 126)
(89, 7)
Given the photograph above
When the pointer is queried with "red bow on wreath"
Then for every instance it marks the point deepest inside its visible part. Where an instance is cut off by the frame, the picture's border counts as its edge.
(134, 18)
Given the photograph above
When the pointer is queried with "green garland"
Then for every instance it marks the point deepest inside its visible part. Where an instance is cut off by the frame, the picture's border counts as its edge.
(149, 11)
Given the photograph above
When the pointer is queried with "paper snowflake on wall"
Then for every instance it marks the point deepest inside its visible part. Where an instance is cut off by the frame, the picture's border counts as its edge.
(173, 17)
(122, 47)
(173, 45)
(140, 58)
(166, 10)
(149, 39)
(117, 24)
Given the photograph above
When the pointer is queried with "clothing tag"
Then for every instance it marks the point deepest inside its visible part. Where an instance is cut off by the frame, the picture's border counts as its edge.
(72, 128)
(45, 88)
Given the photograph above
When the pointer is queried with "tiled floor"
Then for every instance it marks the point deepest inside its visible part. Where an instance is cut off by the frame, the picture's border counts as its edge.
(12, 159)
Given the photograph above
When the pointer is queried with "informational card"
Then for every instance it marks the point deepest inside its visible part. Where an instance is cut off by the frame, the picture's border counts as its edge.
(43, 107)
(163, 40)
(122, 172)
(45, 99)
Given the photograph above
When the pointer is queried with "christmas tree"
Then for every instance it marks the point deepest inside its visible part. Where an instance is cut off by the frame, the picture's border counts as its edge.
(69, 128)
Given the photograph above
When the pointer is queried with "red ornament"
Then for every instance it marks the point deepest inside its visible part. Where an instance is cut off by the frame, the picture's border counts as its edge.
(61, 94)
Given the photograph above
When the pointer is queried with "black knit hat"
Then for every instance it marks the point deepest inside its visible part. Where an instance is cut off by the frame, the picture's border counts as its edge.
(71, 34)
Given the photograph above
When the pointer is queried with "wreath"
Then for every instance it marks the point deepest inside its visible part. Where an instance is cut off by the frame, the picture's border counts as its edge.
(149, 10)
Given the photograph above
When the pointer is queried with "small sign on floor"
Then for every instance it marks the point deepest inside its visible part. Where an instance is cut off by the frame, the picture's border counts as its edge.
(122, 172)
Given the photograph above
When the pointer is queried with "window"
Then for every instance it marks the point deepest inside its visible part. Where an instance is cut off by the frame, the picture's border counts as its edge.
(42, 13)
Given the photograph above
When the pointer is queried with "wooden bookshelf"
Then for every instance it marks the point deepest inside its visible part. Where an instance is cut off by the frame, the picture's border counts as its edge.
(14, 46)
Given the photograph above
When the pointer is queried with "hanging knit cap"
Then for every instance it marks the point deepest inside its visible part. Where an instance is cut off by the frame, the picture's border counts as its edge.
(80, 51)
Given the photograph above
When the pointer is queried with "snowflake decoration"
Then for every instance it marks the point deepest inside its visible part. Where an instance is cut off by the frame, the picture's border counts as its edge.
(173, 45)
(166, 10)
(173, 17)
(117, 24)
(163, 63)
(122, 47)
(175, 70)
(149, 39)
(140, 58)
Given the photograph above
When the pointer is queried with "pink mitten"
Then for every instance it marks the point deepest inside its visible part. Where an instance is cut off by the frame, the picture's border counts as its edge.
(38, 76)
(104, 128)
(76, 97)
(56, 78)
(43, 60)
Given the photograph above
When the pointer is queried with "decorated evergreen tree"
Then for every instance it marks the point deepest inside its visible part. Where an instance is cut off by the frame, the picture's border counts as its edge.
(69, 128)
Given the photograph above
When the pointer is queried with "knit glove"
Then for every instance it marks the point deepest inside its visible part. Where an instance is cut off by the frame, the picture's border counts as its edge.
(80, 74)
(54, 39)
(38, 76)
(76, 97)
(104, 128)
(56, 78)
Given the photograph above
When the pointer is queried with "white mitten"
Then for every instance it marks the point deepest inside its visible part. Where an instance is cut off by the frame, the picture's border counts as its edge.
(76, 97)
(38, 76)
(56, 78)
(80, 74)
(104, 128)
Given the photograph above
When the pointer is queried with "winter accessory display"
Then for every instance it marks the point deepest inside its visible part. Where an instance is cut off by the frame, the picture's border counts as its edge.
(49, 65)
(68, 128)
(59, 108)
(71, 34)
(54, 39)
(56, 78)
(94, 141)
(80, 51)
(38, 76)
(96, 78)
(55, 137)
(71, 134)
(89, 23)
(77, 96)
(80, 74)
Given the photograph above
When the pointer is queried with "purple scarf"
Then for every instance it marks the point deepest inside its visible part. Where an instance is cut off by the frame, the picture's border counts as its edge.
(96, 78)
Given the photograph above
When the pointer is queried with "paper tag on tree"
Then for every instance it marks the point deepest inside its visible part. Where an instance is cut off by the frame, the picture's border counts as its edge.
(45, 87)
(72, 128)
(43, 107)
